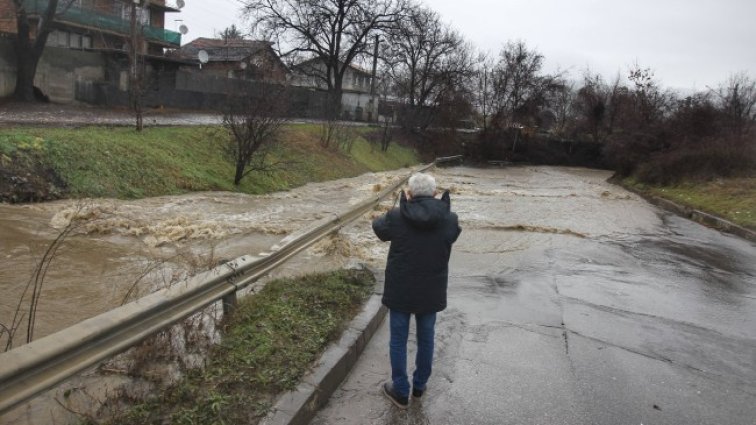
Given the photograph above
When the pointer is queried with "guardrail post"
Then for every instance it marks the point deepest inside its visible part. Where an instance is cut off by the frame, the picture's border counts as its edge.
(229, 304)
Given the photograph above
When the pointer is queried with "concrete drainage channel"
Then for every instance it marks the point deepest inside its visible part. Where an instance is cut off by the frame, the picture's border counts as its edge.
(299, 406)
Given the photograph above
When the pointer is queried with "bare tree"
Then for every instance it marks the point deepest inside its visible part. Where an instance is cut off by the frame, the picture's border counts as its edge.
(29, 49)
(428, 62)
(334, 33)
(484, 88)
(231, 33)
(517, 84)
(564, 106)
(254, 118)
(649, 100)
(385, 108)
(597, 106)
(737, 99)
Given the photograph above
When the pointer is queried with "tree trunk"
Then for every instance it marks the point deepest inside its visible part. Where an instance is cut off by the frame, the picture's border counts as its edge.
(26, 68)
(240, 165)
(334, 104)
(28, 52)
(335, 94)
(26, 61)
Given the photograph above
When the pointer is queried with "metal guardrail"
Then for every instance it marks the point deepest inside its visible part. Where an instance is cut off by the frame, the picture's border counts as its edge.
(40, 365)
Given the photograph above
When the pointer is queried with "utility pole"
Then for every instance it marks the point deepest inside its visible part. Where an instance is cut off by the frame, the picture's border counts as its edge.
(372, 79)
(135, 67)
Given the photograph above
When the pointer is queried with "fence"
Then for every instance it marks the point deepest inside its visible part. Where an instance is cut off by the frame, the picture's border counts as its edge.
(30, 369)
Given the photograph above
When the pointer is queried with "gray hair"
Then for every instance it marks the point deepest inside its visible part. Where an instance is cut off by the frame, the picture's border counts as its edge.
(421, 184)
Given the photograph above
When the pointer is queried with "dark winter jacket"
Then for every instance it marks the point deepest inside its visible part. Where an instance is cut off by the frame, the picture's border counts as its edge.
(422, 231)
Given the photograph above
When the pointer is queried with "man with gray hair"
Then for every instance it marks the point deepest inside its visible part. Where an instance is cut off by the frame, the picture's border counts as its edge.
(421, 230)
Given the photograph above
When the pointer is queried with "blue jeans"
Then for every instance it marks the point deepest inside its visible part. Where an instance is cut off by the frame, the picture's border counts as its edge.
(399, 326)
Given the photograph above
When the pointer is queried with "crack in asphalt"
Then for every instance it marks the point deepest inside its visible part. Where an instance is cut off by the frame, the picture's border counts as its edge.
(654, 356)
(657, 357)
(678, 323)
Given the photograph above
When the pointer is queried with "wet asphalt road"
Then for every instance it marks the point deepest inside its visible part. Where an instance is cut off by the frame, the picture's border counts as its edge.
(572, 301)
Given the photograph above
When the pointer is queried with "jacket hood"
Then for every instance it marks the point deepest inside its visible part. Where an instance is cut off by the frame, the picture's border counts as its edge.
(425, 212)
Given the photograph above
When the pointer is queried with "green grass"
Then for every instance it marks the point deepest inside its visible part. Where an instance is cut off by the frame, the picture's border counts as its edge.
(122, 163)
(733, 198)
(271, 341)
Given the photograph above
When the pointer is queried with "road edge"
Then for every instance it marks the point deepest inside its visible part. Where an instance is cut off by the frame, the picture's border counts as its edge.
(299, 406)
(690, 213)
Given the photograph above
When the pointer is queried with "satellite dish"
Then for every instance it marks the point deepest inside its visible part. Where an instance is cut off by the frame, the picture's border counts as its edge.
(180, 4)
(202, 56)
(243, 65)
(183, 29)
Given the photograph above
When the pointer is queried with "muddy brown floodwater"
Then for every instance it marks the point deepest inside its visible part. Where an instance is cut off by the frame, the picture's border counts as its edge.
(151, 242)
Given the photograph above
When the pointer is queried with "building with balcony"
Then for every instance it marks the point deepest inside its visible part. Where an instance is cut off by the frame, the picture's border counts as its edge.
(88, 44)
(98, 24)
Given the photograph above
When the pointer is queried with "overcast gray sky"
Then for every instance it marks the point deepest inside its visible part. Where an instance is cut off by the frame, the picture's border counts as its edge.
(690, 44)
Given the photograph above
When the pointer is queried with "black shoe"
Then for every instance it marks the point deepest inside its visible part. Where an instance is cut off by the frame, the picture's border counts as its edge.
(390, 393)
(417, 393)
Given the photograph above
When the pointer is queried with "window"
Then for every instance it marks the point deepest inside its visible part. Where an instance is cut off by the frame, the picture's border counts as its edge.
(143, 13)
(52, 38)
(79, 4)
(57, 39)
(74, 41)
(69, 39)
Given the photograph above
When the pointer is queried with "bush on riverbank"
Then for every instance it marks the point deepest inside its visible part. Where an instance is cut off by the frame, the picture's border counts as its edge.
(270, 342)
(48, 163)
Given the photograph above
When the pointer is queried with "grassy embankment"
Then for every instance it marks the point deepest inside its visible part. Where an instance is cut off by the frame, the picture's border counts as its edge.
(733, 199)
(121, 163)
(271, 341)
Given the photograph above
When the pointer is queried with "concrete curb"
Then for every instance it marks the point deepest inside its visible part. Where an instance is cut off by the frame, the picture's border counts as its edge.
(693, 214)
(299, 406)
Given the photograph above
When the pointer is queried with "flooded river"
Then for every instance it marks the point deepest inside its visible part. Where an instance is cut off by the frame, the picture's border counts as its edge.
(115, 245)
(549, 245)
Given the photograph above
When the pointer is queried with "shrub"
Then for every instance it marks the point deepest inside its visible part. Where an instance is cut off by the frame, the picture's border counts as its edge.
(703, 161)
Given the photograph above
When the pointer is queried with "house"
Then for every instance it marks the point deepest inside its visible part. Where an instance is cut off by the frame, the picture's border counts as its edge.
(87, 44)
(357, 102)
(235, 58)
(98, 24)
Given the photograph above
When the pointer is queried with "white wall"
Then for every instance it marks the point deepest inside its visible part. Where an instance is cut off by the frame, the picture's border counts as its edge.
(7, 68)
(57, 72)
